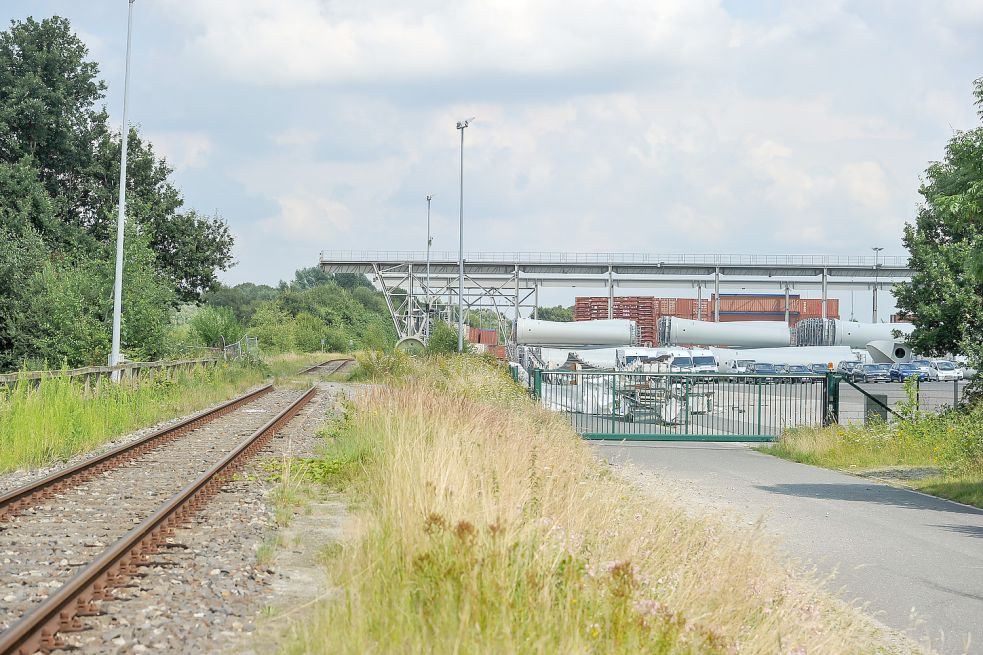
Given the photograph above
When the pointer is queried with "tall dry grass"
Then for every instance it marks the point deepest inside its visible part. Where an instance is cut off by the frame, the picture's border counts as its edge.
(487, 526)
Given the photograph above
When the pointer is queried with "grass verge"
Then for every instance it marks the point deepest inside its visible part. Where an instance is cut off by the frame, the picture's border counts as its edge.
(58, 419)
(487, 526)
(949, 444)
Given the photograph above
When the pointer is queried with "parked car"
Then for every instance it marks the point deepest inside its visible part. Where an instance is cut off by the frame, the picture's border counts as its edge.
(818, 369)
(845, 368)
(800, 373)
(781, 368)
(873, 373)
(926, 366)
(946, 371)
(764, 368)
(904, 370)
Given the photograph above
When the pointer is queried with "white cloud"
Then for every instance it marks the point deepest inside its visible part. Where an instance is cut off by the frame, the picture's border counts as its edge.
(183, 150)
(301, 218)
(316, 41)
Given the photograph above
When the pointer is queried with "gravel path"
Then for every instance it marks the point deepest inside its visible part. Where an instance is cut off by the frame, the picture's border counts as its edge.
(44, 545)
(208, 591)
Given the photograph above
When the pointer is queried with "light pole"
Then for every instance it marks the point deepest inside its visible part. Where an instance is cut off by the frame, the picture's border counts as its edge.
(429, 242)
(460, 252)
(877, 253)
(114, 355)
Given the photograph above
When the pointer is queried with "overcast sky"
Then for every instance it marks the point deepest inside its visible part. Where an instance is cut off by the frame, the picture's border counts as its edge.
(694, 126)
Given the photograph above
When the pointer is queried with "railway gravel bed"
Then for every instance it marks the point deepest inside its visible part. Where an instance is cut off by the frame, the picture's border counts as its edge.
(209, 592)
(46, 544)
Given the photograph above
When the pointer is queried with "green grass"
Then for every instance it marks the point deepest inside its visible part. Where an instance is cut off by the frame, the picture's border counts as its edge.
(968, 489)
(58, 419)
(951, 442)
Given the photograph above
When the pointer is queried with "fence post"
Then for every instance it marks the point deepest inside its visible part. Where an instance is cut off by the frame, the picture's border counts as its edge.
(760, 384)
(537, 384)
(832, 416)
(686, 409)
(955, 393)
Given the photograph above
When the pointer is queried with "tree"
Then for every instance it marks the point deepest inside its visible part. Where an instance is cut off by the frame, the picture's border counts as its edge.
(49, 123)
(945, 295)
(71, 302)
(558, 313)
(305, 278)
(215, 327)
(242, 299)
(190, 248)
(48, 93)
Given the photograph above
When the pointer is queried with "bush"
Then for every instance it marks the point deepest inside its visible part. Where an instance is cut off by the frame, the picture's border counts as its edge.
(443, 340)
(309, 330)
(215, 327)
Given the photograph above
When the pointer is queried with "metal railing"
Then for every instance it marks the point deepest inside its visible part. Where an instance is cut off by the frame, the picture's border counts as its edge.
(398, 256)
(90, 373)
(684, 406)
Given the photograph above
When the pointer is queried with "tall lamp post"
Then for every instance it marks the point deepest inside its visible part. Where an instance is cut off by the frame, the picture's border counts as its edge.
(429, 242)
(877, 253)
(114, 355)
(461, 125)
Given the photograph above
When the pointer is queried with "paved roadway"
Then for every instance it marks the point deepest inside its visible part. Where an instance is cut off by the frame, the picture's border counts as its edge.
(906, 554)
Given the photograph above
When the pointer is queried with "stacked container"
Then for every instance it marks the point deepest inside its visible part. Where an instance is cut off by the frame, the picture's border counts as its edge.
(644, 310)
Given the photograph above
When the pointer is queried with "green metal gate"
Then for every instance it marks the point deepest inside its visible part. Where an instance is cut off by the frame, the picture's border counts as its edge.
(685, 406)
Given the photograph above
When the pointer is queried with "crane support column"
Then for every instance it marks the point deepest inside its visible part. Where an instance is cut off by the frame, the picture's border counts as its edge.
(716, 295)
(825, 292)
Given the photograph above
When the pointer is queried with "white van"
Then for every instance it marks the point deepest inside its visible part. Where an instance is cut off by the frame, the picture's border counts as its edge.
(947, 371)
(704, 361)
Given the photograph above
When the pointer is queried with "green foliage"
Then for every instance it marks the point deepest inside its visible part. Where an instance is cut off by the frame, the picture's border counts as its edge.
(242, 299)
(273, 327)
(70, 308)
(557, 313)
(443, 340)
(215, 327)
(945, 297)
(309, 330)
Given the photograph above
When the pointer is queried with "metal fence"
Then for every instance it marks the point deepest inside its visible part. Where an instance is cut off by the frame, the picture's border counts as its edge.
(684, 406)
(862, 402)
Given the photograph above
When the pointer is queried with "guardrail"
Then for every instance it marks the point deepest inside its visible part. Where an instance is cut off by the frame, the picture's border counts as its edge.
(88, 373)
(393, 256)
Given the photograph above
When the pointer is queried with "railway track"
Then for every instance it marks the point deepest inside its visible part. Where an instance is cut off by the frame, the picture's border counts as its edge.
(69, 538)
(329, 367)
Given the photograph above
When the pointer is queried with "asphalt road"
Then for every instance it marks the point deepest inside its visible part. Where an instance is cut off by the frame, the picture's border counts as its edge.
(915, 560)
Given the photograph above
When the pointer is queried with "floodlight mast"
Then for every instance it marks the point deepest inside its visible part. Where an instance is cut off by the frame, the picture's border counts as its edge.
(429, 243)
(114, 355)
(877, 252)
(461, 125)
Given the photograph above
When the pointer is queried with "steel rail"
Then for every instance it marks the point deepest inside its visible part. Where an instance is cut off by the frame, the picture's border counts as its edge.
(340, 362)
(34, 492)
(60, 612)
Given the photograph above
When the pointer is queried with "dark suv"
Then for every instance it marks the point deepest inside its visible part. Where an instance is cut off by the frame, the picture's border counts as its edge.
(872, 373)
(846, 368)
